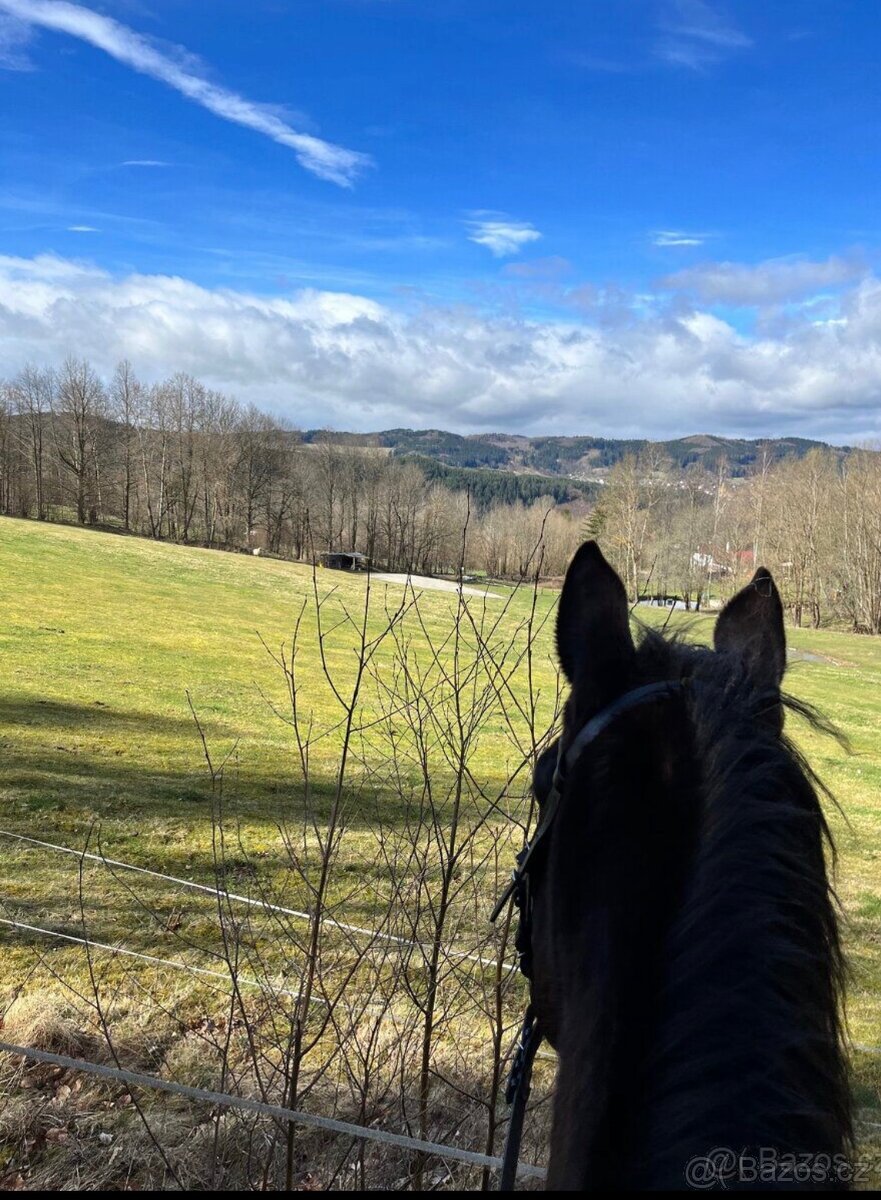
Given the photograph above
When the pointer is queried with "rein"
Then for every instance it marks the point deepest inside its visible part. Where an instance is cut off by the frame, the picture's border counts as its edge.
(520, 1079)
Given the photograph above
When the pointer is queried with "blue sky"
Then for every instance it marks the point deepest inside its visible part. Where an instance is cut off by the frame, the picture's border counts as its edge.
(596, 216)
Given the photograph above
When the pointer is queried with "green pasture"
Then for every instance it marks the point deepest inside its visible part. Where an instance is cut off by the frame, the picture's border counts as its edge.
(105, 642)
(102, 639)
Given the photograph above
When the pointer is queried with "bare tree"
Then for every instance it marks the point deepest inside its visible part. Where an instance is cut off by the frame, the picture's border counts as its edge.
(126, 402)
(32, 401)
(8, 454)
(857, 553)
(634, 489)
(78, 405)
(154, 438)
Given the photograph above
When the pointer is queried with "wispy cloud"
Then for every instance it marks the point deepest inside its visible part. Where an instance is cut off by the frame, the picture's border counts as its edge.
(541, 269)
(500, 234)
(14, 37)
(179, 70)
(144, 162)
(82, 229)
(677, 237)
(773, 281)
(695, 34)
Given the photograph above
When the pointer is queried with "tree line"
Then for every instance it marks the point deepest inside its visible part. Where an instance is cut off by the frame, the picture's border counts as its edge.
(178, 461)
(814, 521)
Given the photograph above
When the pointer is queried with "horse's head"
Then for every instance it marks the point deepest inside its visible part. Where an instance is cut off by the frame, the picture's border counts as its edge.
(624, 775)
(684, 948)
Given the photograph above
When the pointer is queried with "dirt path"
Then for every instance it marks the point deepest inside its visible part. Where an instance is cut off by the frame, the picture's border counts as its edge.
(437, 585)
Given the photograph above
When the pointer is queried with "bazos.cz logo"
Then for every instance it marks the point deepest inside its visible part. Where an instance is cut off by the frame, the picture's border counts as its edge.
(724, 1167)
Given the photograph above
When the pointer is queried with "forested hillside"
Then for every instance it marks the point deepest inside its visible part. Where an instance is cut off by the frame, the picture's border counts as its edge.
(487, 486)
(577, 457)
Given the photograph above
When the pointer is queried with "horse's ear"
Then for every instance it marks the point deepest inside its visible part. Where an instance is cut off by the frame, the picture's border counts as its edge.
(593, 625)
(751, 625)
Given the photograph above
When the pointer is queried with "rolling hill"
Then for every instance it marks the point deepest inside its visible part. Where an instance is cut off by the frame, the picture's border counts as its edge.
(579, 458)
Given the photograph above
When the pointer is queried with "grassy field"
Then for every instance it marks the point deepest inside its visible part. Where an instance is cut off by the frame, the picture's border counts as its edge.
(102, 640)
(106, 641)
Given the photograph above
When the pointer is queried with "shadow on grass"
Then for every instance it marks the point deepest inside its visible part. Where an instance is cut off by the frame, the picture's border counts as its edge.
(96, 717)
(142, 810)
(126, 791)
(114, 789)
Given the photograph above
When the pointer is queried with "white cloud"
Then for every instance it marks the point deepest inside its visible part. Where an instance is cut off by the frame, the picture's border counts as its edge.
(180, 71)
(342, 359)
(696, 35)
(677, 237)
(14, 38)
(771, 282)
(144, 162)
(82, 229)
(500, 234)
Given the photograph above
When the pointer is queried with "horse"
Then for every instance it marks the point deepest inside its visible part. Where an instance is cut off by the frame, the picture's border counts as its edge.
(684, 951)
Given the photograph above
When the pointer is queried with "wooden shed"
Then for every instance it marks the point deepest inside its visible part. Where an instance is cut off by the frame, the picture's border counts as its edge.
(344, 560)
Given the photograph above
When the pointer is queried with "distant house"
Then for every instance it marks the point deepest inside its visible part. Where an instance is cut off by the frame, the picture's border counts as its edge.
(344, 560)
(707, 562)
(718, 561)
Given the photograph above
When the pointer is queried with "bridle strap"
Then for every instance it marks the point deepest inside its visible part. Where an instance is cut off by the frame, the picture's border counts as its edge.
(517, 1095)
(587, 734)
(600, 723)
(520, 1080)
(519, 1084)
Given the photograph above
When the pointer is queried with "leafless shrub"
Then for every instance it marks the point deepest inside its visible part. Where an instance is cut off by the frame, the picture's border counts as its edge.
(358, 977)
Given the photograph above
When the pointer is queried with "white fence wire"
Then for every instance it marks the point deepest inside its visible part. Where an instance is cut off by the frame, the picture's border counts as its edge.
(401, 1141)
